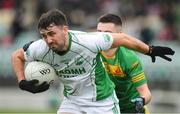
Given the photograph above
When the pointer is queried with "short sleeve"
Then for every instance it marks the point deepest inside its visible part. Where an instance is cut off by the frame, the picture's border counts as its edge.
(134, 68)
(96, 41)
(34, 50)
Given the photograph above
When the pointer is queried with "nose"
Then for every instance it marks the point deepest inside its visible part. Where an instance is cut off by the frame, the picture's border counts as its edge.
(49, 40)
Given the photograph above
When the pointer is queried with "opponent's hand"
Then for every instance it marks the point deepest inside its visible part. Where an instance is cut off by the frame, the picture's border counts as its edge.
(139, 104)
(32, 86)
(161, 52)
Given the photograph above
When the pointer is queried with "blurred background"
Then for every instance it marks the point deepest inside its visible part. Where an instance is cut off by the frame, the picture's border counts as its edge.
(156, 22)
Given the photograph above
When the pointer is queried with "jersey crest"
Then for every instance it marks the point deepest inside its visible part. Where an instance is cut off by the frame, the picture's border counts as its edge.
(114, 70)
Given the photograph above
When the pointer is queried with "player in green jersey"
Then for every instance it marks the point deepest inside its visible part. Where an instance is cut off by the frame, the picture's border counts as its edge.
(75, 55)
(125, 70)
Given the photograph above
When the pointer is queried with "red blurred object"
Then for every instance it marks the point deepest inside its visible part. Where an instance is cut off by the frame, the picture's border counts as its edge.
(8, 4)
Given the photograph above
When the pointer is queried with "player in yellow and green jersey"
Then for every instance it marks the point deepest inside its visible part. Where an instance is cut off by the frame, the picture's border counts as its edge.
(125, 70)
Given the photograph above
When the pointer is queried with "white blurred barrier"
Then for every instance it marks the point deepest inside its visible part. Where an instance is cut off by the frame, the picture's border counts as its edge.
(16, 99)
(165, 102)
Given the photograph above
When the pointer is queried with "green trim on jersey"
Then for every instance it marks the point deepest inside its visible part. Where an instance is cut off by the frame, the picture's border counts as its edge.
(125, 70)
(103, 83)
(70, 41)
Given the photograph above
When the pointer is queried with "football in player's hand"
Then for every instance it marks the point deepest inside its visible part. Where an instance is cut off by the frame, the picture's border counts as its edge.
(40, 71)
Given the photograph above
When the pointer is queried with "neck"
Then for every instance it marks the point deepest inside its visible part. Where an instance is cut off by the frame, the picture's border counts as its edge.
(110, 52)
(66, 42)
(64, 50)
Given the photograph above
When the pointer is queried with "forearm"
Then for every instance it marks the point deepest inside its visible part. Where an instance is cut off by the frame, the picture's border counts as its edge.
(130, 42)
(146, 96)
(144, 92)
(18, 64)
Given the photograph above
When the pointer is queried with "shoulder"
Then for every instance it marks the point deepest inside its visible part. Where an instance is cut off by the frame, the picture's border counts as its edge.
(39, 44)
(94, 41)
(128, 56)
(91, 36)
(34, 44)
(36, 47)
(132, 63)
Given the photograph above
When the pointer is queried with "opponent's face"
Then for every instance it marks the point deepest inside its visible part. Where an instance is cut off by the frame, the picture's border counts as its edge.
(55, 37)
(108, 27)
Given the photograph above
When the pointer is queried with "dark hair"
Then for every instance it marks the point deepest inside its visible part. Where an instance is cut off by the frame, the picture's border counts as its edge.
(110, 18)
(54, 16)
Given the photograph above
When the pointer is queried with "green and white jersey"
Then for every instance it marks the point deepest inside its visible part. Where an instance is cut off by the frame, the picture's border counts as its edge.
(80, 69)
(126, 71)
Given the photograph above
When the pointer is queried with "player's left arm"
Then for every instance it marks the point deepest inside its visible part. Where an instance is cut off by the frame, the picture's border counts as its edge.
(143, 99)
(135, 71)
(138, 79)
(121, 39)
(144, 93)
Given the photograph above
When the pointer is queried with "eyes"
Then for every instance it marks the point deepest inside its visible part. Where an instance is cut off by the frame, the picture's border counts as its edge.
(48, 34)
(108, 31)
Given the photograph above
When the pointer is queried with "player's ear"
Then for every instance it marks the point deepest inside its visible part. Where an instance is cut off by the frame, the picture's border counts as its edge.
(65, 28)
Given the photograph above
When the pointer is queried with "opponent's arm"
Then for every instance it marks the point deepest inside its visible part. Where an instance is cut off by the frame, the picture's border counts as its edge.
(144, 93)
(121, 39)
(145, 97)
(135, 71)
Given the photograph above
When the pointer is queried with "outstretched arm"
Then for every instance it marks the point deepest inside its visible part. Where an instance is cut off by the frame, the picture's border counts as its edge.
(121, 39)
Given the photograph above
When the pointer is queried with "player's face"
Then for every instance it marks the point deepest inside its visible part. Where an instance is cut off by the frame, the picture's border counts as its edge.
(56, 37)
(108, 27)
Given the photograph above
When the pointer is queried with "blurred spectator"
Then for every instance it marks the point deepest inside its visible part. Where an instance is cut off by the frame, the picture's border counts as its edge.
(6, 12)
(24, 18)
(108, 6)
(146, 35)
(17, 27)
(167, 33)
(45, 5)
(7, 4)
(73, 11)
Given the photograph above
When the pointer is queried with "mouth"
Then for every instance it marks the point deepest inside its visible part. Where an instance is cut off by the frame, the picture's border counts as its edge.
(53, 48)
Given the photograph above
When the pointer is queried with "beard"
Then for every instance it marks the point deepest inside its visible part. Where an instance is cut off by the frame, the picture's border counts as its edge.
(60, 48)
(59, 52)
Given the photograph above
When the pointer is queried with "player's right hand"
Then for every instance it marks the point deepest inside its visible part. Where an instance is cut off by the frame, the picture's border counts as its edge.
(160, 51)
(139, 104)
(32, 86)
